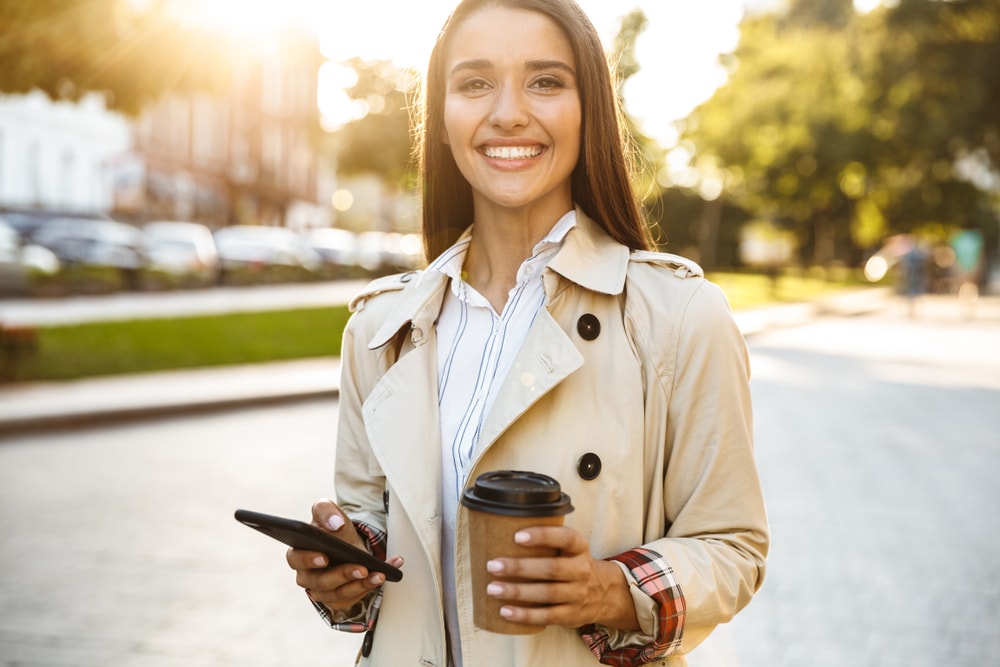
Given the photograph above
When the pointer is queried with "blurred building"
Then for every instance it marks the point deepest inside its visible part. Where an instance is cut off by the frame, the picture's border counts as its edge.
(247, 157)
(58, 155)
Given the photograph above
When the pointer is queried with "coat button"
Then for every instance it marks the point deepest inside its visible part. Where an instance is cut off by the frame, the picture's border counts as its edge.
(588, 326)
(589, 466)
(366, 643)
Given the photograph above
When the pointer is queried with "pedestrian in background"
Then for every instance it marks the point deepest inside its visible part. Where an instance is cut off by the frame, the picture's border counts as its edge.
(545, 335)
(968, 246)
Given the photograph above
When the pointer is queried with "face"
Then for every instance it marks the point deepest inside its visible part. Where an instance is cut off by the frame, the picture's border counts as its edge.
(512, 109)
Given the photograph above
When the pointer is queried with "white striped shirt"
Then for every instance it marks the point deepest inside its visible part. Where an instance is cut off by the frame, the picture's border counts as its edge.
(476, 347)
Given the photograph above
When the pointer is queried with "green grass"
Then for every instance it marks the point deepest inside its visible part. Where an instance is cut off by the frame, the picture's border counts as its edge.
(754, 290)
(109, 348)
(137, 346)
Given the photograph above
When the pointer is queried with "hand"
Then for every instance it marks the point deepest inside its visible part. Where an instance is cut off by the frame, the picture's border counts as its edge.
(575, 588)
(342, 586)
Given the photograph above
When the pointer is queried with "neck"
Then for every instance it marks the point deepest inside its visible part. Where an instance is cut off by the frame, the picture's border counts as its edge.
(501, 241)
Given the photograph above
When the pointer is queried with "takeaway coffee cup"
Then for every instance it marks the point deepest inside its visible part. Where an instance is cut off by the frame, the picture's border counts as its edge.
(501, 503)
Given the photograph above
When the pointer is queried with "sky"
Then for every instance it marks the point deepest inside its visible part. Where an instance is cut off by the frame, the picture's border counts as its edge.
(678, 51)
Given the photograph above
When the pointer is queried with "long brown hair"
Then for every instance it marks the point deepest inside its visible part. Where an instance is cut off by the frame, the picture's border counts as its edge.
(600, 181)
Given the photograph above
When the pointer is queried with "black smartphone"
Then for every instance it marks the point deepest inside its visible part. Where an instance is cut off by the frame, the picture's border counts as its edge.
(301, 535)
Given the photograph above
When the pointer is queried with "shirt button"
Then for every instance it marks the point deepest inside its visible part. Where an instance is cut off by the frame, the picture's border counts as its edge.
(588, 326)
(366, 644)
(589, 466)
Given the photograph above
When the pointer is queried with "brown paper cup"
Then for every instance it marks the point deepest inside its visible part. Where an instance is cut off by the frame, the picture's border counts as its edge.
(492, 536)
(492, 523)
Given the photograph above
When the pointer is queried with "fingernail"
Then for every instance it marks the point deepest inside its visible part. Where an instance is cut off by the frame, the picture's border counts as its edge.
(494, 566)
(494, 589)
(336, 522)
(376, 579)
(319, 561)
(506, 612)
(522, 537)
(357, 574)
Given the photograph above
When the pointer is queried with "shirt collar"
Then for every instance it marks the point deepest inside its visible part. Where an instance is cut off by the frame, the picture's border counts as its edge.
(586, 256)
(450, 262)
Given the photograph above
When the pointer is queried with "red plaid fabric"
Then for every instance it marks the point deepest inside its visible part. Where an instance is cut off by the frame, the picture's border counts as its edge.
(377, 545)
(656, 579)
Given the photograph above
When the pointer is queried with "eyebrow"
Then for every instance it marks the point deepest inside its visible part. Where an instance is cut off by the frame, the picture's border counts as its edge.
(482, 64)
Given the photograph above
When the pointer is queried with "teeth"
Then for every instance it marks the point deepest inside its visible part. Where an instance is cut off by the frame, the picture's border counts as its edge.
(512, 152)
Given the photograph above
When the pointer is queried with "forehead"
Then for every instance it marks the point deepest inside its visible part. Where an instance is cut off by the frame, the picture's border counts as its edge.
(504, 35)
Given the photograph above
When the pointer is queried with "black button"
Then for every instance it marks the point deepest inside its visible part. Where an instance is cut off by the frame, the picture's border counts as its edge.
(385, 500)
(366, 644)
(588, 326)
(589, 466)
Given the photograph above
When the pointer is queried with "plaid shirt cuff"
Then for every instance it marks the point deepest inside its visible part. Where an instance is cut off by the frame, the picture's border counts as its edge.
(362, 617)
(655, 578)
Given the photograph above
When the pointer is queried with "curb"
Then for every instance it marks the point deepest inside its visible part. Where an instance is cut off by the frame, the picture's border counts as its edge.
(51, 406)
(70, 420)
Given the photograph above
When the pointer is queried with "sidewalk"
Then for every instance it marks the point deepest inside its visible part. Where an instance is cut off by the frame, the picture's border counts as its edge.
(46, 405)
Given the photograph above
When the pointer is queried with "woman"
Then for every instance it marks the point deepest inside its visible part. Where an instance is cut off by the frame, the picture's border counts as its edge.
(544, 336)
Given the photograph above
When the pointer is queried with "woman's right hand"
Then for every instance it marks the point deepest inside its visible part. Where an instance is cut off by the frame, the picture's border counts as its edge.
(343, 586)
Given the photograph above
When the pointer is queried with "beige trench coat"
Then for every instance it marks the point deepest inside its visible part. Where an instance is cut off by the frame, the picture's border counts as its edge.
(661, 396)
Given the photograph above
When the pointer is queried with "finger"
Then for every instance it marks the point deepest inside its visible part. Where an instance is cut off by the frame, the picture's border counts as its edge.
(543, 593)
(548, 615)
(341, 587)
(532, 569)
(305, 560)
(567, 540)
(328, 515)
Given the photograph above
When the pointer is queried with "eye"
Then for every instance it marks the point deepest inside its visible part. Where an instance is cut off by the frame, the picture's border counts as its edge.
(548, 82)
(473, 85)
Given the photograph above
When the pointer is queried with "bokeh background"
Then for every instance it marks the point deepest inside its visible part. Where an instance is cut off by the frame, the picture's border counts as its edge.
(199, 183)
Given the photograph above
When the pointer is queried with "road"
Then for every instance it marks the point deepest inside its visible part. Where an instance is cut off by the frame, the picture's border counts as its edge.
(878, 441)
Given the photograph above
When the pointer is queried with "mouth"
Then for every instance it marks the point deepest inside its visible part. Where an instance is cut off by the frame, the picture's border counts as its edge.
(512, 152)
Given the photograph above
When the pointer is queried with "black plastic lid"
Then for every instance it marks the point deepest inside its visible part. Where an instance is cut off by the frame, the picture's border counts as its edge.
(517, 493)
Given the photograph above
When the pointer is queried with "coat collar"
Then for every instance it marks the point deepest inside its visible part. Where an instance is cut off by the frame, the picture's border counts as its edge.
(589, 258)
(592, 259)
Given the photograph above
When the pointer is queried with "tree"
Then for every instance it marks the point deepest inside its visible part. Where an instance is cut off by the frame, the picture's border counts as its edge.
(850, 130)
(646, 152)
(132, 52)
(379, 141)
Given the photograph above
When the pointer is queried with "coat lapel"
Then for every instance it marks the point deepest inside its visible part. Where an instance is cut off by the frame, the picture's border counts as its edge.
(546, 358)
(401, 413)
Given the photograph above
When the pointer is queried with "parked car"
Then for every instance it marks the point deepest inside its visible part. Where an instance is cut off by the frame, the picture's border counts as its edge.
(380, 253)
(338, 248)
(27, 221)
(96, 255)
(25, 269)
(253, 254)
(179, 254)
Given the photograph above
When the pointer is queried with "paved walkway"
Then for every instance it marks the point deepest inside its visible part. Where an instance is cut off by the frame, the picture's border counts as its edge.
(39, 405)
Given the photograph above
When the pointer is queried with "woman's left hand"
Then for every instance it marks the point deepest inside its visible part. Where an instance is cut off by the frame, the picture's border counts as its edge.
(575, 588)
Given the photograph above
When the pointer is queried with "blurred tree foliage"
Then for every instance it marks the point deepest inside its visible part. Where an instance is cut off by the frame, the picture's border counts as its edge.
(848, 127)
(379, 141)
(646, 152)
(133, 51)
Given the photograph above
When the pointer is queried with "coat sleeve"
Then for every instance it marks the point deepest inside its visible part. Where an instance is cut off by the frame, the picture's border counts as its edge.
(707, 525)
(358, 485)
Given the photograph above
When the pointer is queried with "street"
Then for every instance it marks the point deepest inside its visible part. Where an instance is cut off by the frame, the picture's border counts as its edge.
(878, 442)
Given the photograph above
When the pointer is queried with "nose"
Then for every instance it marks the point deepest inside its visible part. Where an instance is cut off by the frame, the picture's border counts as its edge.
(509, 108)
